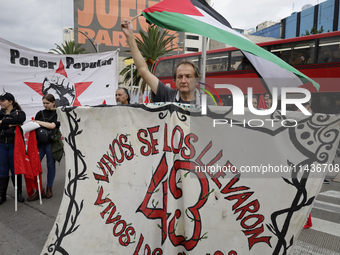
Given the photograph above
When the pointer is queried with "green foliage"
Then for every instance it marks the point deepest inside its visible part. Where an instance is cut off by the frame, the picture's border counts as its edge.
(313, 31)
(68, 48)
(152, 45)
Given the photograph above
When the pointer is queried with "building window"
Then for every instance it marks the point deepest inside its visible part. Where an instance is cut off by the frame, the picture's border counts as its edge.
(192, 37)
(192, 49)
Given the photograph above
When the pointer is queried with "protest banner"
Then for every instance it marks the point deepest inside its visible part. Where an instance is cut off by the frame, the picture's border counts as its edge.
(78, 80)
(163, 179)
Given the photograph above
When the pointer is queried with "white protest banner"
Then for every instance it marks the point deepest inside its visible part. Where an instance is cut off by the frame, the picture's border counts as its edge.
(160, 179)
(78, 80)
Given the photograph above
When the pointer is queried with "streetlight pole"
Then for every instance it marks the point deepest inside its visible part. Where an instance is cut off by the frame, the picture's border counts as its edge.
(94, 44)
(178, 43)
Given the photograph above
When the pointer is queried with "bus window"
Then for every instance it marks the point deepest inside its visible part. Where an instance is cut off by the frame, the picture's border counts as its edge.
(164, 68)
(239, 61)
(194, 59)
(328, 103)
(296, 53)
(217, 62)
(328, 50)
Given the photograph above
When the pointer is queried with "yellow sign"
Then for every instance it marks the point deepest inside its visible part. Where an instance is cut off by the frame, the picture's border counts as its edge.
(129, 61)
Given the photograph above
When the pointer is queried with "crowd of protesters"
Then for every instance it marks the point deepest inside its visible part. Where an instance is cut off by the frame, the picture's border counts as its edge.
(11, 115)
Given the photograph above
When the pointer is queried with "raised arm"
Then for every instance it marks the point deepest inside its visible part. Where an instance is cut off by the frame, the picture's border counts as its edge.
(140, 63)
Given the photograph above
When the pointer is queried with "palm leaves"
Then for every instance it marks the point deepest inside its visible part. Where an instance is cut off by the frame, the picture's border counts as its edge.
(152, 45)
(68, 48)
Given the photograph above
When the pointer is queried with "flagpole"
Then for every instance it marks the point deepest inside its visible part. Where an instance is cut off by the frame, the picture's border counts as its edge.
(135, 17)
(16, 192)
(203, 63)
(131, 78)
(203, 59)
(39, 191)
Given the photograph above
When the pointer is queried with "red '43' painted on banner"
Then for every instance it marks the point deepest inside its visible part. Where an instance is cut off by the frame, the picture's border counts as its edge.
(163, 215)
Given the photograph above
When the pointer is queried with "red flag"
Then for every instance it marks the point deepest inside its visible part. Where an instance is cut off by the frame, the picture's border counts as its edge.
(21, 161)
(33, 154)
(32, 184)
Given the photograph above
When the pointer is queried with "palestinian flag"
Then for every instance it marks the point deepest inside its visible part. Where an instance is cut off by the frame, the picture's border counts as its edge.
(196, 16)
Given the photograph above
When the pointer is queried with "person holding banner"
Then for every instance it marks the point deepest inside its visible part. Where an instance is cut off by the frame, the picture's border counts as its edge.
(186, 75)
(47, 119)
(11, 115)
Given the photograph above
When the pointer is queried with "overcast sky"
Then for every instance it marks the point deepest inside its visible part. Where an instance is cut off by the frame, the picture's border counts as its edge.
(37, 24)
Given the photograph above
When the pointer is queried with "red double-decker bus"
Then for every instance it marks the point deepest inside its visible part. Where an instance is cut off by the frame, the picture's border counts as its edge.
(317, 56)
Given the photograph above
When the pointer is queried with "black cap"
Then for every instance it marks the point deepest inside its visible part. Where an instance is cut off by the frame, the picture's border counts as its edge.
(7, 96)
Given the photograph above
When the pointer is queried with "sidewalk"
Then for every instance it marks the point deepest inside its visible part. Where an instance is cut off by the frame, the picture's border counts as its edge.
(24, 232)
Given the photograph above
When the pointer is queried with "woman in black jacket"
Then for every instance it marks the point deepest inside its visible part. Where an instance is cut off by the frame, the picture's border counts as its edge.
(11, 115)
(47, 118)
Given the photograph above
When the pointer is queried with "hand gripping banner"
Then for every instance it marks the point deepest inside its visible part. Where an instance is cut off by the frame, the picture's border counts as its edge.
(162, 179)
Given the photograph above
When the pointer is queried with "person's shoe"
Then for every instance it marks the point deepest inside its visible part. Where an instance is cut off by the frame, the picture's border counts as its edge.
(20, 198)
(49, 193)
(325, 181)
(3, 189)
(35, 196)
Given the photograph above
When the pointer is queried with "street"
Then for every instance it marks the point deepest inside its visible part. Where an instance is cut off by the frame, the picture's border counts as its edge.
(324, 236)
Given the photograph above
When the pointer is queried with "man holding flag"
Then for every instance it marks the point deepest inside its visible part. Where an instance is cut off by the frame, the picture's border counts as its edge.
(186, 76)
(196, 16)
